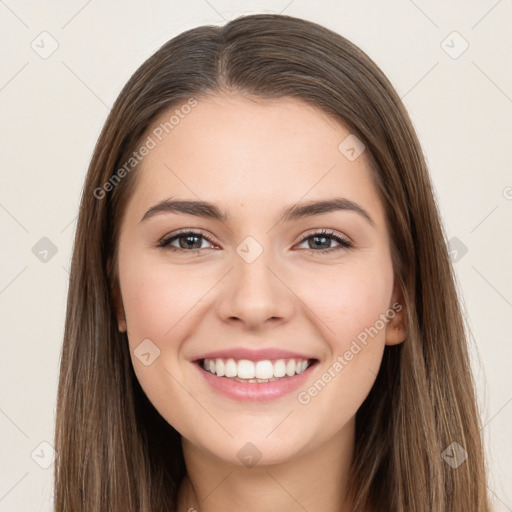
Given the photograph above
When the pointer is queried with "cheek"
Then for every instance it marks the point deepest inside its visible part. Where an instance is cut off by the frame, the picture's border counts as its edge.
(354, 329)
(156, 298)
(149, 307)
(350, 301)
(158, 305)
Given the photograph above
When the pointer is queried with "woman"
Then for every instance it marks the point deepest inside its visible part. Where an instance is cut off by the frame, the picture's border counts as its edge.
(257, 370)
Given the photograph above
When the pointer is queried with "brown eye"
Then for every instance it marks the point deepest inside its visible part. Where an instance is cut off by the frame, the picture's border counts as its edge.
(189, 241)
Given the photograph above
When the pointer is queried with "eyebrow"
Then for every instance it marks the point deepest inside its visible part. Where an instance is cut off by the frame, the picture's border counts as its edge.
(293, 212)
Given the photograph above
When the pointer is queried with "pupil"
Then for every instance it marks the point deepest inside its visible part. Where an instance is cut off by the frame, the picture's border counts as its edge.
(187, 244)
(322, 238)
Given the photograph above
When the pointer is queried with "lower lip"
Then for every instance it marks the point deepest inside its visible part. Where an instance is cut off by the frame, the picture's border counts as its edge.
(263, 391)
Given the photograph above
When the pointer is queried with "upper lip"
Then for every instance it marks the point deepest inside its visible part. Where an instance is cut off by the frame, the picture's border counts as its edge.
(252, 354)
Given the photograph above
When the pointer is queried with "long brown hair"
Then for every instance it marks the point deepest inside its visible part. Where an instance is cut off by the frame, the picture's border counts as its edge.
(115, 451)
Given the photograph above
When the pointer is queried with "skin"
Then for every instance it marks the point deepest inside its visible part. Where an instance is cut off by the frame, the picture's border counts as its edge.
(253, 158)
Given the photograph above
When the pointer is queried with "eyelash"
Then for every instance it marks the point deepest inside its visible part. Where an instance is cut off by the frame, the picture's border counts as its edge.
(343, 242)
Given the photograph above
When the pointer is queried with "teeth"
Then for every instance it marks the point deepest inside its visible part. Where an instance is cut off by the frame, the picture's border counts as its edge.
(290, 368)
(279, 368)
(231, 368)
(264, 370)
(261, 371)
(220, 368)
(245, 369)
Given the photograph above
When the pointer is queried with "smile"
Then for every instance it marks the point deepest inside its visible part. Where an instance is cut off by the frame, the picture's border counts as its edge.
(255, 381)
(245, 370)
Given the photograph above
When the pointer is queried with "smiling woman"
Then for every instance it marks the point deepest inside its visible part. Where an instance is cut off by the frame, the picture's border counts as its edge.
(262, 313)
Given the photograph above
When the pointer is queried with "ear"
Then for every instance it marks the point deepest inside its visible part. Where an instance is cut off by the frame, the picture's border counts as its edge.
(117, 300)
(396, 328)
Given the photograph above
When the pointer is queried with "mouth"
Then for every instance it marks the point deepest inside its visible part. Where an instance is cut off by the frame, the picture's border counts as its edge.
(243, 379)
(256, 372)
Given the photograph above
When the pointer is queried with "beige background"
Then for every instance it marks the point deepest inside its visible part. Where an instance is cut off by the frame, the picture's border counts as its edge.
(52, 110)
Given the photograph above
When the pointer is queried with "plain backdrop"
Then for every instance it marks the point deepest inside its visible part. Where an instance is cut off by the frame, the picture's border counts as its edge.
(64, 63)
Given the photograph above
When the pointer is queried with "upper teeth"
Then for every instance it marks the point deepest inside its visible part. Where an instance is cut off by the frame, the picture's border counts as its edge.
(245, 369)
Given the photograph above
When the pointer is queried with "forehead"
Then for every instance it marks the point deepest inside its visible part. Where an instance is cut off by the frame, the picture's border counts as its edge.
(232, 149)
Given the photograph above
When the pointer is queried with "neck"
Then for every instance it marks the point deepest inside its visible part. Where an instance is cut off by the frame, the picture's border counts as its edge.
(314, 480)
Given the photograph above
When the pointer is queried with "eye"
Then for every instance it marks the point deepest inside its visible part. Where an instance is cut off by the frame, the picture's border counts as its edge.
(323, 238)
(191, 241)
(187, 241)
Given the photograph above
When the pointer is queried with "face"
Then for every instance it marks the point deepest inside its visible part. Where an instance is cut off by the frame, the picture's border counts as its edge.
(291, 313)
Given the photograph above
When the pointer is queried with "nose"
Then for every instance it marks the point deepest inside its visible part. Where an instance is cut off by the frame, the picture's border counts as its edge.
(255, 294)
